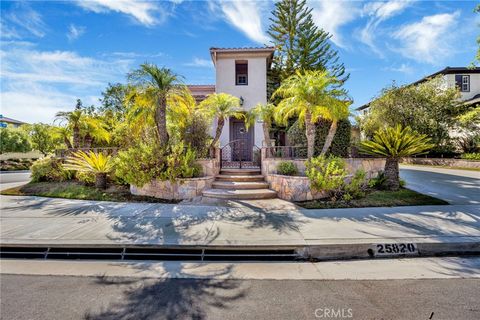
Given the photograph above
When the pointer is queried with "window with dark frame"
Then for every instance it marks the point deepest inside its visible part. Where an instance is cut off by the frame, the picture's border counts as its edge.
(241, 73)
(462, 82)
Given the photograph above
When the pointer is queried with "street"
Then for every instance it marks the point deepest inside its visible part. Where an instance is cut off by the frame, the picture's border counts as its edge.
(47, 297)
(13, 179)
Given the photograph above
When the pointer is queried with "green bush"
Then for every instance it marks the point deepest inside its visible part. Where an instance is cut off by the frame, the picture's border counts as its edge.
(139, 164)
(357, 186)
(340, 144)
(181, 164)
(197, 135)
(471, 156)
(378, 182)
(326, 173)
(50, 169)
(87, 178)
(287, 168)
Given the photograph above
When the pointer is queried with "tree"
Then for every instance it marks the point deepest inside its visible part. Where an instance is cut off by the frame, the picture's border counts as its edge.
(395, 143)
(44, 138)
(221, 106)
(157, 84)
(91, 162)
(300, 44)
(265, 112)
(477, 57)
(113, 100)
(73, 119)
(429, 108)
(312, 95)
(14, 140)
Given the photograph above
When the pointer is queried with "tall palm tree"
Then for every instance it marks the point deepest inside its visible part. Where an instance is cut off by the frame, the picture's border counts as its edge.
(395, 143)
(74, 122)
(222, 106)
(311, 95)
(264, 112)
(157, 84)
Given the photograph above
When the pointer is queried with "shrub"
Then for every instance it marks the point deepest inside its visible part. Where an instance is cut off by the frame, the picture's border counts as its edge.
(287, 168)
(357, 186)
(14, 140)
(340, 144)
(98, 164)
(378, 182)
(181, 164)
(139, 164)
(197, 135)
(326, 173)
(50, 169)
(87, 178)
(471, 156)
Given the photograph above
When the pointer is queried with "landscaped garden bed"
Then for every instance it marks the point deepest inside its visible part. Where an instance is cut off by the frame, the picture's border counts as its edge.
(377, 198)
(78, 190)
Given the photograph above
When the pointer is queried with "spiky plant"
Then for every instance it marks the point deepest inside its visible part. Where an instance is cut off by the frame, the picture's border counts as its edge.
(91, 162)
(395, 143)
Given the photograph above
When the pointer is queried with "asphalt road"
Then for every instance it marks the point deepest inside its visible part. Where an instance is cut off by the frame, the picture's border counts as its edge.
(13, 179)
(454, 186)
(47, 297)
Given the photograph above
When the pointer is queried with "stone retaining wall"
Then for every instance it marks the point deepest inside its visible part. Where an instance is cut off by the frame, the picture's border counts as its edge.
(179, 190)
(460, 163)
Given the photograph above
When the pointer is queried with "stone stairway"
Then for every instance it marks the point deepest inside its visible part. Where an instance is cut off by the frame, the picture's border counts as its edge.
(237, 184)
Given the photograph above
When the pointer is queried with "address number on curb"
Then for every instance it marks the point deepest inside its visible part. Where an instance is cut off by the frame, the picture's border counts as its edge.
(393, 249)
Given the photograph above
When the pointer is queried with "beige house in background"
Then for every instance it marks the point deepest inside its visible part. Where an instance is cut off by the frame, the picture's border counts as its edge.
(241, 72)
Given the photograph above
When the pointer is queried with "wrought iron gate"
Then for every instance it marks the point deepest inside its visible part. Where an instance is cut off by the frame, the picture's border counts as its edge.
(240, 154)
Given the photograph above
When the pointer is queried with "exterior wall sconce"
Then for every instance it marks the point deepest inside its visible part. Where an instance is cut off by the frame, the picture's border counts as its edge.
(241, 101)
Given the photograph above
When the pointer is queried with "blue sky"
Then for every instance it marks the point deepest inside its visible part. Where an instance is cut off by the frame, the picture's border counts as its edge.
(53, 52)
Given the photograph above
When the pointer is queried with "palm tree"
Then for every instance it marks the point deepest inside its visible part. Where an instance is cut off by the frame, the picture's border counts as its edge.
(311, 95)
(264, 112)
(222, 106)
(73, 119)
(395, 143)
(64, 134)
(91, 162)
(156, 84)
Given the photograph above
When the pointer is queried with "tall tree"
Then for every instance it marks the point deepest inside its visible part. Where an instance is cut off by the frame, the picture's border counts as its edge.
(156, 83)
(310, 96)
(300, 44)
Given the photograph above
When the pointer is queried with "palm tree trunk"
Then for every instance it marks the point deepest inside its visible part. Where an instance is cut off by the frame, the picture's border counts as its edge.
(161, 121)
(67, 142)
(76, 137)
(218, 132)
(87, 141)
(101, 180)
(329, 138)
(391, 173)
(310, 133)
(266, 133)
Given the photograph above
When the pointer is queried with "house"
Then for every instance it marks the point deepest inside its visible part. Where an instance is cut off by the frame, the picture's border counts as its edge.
(4, 122)
(241, 72)
(466, 79)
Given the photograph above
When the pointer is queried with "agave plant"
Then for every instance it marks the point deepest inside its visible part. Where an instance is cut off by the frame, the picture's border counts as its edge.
(395, 143)
(96, 163)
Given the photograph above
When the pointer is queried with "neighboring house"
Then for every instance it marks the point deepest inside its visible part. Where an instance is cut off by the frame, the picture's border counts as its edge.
(466, 79)
(241, 72)
(4, 122)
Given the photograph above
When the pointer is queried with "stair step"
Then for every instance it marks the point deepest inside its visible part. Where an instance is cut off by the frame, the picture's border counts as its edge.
(239, 185)
(228, 177)
(240, 194)
(240, 172)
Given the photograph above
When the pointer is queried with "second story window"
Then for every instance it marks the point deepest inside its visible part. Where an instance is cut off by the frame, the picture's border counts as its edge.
(241, 73)
(462, 82)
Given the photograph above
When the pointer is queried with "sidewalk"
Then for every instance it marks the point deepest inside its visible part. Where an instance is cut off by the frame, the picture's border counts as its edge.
(43, 221)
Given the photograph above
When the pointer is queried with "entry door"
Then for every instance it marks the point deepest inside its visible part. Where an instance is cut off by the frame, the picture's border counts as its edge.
(242, 150)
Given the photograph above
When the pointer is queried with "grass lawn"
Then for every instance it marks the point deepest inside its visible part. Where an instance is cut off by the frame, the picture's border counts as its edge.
(76, 190)
(403, 197)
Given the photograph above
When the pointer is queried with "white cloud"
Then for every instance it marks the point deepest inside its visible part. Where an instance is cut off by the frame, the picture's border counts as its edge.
(246, 16)
(379, 12)
(403, 68)
(332, 15)
(428, 39)
(75, 31)
(147, 13)
(198, 62)
(24, 19)
(36, 84)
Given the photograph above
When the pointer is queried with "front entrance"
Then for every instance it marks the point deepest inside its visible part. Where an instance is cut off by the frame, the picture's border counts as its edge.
(240, 152)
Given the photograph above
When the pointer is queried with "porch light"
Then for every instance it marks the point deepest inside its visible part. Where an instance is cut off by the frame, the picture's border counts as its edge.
(241, 101)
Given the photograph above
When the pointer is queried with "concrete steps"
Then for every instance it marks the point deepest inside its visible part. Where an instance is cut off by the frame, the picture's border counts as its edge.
(240, 184)
(239, 194)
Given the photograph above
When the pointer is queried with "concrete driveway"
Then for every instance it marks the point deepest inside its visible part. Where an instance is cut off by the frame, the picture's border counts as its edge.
(454, 186)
